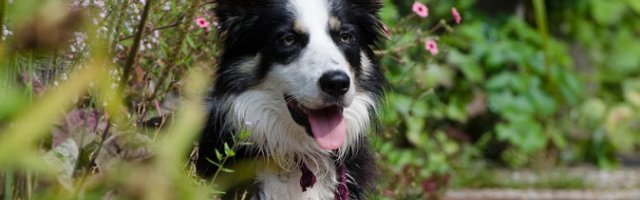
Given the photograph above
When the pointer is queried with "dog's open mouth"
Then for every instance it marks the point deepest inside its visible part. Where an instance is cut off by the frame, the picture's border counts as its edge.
(326, 125)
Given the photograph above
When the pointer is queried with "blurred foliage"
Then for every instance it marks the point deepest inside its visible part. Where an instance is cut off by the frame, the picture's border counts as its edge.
(94, 100)
(517, 84)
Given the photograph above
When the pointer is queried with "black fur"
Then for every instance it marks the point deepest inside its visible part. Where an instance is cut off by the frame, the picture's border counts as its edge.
(361, 166)
(249, 27)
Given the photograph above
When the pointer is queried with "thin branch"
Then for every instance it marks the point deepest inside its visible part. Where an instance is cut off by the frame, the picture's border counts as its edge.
(3, 5)
(95, 154)
(133, 52)
(118, 23)
(172, 25)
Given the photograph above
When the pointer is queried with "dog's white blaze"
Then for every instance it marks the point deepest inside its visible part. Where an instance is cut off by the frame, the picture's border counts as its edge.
(319, 56)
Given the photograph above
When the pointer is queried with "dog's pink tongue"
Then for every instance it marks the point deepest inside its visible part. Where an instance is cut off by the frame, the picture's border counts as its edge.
(328, 127)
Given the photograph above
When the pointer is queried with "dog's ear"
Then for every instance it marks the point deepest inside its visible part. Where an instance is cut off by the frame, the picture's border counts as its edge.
(231, 12)
(370, 6)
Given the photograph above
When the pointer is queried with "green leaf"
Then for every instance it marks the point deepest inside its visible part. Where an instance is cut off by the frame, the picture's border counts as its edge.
(594, 111)
(623, 58)
(389, 13)
(526, 134)
(436, 75)
(607, 12)
(468, 66)
(457, 110)
(227, 170)
(635, 5)
(536, 62)
(415, 126)
(218, 155)
(449, 147)
(63, 159)
(400, 103)
(438, 162)
(12, 100)
(556, 136)
(244, 134)
(501, 81)
(543, 103)
(473, 72)
(228, 151)
(420, 109)
(510, 105)
(570, 87)
(632, 92)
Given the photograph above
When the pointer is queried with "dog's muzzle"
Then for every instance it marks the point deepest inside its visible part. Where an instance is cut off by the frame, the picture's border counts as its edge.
(326, 125)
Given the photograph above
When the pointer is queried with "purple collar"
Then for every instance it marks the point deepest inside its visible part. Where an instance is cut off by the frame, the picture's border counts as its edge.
(308, 179)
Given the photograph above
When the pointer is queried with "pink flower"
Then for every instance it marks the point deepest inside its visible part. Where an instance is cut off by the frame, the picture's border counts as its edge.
(420, 9)
(202, 23)
(456, 15)
(431, 46)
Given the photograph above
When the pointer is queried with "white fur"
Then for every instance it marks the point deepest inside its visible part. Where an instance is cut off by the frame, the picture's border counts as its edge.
(249, 65)
(366, 64)
(286, 185)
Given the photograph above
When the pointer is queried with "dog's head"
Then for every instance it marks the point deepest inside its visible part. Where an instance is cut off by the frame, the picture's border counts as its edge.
(307, 62)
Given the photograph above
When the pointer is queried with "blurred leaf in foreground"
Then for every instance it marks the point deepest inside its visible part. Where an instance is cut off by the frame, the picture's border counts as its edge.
(18, 139)
(63, 159)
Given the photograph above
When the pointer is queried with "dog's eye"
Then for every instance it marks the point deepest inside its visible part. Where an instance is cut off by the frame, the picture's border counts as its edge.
(346, 37)
(288, 40)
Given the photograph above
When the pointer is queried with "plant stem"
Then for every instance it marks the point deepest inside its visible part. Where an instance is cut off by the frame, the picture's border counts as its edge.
(116, 26)
(29, 186)
(541, 22)
(175, 24)
(222, 163)
(3, 5)
(96, 154)
(8, 185)
(133, 52)
(543, 30)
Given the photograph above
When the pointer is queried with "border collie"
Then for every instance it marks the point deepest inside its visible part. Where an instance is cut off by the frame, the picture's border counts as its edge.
(301, 77)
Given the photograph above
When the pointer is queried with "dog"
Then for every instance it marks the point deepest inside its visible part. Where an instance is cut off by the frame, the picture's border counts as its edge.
(301, 77)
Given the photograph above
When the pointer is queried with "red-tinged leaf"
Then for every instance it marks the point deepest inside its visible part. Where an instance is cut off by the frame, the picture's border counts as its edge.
(120, 148)
(80, 125)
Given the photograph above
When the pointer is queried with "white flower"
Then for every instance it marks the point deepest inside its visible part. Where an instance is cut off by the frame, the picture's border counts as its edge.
(167, 6)
(6, 32)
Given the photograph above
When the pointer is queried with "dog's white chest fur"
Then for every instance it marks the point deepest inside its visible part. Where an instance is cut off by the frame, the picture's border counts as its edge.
(286, 185)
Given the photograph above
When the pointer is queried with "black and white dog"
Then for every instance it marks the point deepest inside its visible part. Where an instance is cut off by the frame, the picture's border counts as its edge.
(301, 77)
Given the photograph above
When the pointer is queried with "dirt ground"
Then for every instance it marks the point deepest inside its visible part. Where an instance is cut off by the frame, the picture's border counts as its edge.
(621, 184)
(542, 194)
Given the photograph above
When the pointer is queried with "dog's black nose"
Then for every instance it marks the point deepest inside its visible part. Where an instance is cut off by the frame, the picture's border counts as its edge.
(335, 83)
